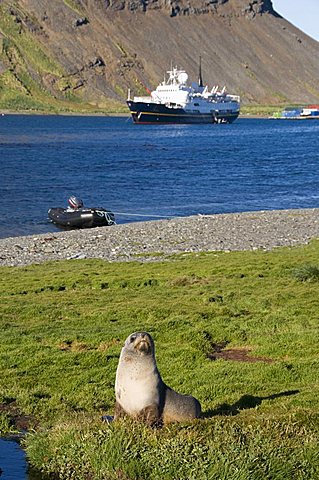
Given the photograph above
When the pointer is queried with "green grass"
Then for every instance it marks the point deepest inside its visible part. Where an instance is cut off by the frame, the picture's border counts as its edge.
(63, 325)
(263, 110)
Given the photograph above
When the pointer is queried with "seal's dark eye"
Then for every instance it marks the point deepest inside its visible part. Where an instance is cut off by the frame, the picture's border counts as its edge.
(133, 337)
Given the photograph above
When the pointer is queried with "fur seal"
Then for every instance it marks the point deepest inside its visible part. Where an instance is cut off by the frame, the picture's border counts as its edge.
(140, 391)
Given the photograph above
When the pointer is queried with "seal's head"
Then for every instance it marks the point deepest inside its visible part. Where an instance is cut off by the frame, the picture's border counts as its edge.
(141, 343)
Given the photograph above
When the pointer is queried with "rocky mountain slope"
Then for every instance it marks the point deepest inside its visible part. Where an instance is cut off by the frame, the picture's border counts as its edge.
(64, 54)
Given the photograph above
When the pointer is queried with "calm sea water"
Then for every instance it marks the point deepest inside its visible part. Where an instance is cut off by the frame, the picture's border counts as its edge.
(141, 171)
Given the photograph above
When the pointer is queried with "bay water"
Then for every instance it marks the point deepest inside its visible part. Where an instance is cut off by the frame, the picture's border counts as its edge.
(145, 172)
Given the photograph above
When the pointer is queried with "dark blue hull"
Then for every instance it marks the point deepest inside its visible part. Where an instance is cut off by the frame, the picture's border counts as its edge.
(159, 113)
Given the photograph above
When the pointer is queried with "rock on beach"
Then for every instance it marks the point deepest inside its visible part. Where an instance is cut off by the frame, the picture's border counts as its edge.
(158, 240)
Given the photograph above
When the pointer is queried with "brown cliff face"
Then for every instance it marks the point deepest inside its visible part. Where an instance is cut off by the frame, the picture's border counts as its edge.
(195, 7)
(97, 49)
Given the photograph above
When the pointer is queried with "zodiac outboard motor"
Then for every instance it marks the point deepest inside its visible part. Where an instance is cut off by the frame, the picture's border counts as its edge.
(75, 202)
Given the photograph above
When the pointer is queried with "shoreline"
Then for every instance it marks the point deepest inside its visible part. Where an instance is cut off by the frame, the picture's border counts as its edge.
(261, 116)
(158, 240)
(3, 113)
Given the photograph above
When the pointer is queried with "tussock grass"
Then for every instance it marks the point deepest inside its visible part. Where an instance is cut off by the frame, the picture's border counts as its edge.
(63, 325)
(215, 450)
(306, 273)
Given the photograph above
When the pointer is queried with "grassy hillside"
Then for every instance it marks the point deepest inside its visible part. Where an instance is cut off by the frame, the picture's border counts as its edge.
(81, 56)
(25, 64)
(63, 325)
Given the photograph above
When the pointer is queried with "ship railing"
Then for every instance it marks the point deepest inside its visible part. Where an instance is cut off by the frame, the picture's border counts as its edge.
(148, 99)
(222, 97)
(233, 98)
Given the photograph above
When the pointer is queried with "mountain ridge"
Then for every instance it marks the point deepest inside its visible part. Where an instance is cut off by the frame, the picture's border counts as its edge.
(66, 54)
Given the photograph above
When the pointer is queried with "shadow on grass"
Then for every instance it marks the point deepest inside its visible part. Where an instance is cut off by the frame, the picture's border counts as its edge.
(244, 403)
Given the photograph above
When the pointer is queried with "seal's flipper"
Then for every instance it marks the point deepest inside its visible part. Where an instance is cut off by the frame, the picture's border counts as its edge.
(150, 415)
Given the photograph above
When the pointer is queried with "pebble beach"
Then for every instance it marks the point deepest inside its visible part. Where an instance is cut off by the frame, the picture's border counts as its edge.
(159, 240)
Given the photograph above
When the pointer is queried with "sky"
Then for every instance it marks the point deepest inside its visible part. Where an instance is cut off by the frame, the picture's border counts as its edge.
(303, 14)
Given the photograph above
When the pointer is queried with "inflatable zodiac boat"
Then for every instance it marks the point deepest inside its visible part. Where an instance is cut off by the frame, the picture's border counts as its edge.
(78, 216)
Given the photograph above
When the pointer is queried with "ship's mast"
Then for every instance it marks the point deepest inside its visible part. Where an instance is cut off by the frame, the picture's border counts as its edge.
(200, 79)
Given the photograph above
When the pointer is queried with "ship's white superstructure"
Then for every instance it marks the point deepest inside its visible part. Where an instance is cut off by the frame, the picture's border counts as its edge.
(195, 103)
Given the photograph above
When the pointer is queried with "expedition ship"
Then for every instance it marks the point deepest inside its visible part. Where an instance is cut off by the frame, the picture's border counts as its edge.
(174, 101)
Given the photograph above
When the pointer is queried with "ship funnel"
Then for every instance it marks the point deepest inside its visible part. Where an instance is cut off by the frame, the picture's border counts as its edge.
(200, 79)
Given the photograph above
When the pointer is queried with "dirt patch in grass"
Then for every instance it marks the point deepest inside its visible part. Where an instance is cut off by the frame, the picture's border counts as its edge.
(235, 354)
(104, 346)
(18, 420)
(69, 345)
